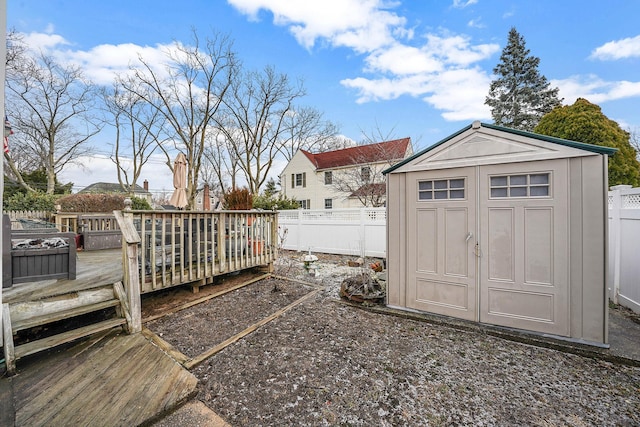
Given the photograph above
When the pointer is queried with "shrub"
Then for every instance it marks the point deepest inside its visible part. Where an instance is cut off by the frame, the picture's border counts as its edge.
(91, 202)
(30, 201)
(238, 199)
(271, 202)
(140, 204)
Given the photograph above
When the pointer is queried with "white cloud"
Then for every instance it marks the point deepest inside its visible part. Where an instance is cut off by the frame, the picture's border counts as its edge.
(459, 93)
(460, 4)
(362, 25)
(476, 23)
(395, 65)
(594, 89)
(402, 59)
(44, 42)
(102, 63)
(618, 49)
(441, 72)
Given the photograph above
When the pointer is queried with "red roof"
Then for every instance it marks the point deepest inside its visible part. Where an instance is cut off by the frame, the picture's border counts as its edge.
(361, 154)
(376, 188)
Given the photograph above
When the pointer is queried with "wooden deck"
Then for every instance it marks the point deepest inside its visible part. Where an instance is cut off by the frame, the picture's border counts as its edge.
(159, 250)
(93, 269)
(111, 379)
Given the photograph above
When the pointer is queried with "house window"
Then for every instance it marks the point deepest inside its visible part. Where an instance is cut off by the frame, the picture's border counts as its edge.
(365, 174)
(441, 189)
(521, 185)
(328, 178)
(304, 204)
(298, 180)
(328, 203)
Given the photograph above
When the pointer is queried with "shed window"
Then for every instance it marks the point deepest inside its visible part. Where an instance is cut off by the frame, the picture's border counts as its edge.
(441, 189)
(521, 185)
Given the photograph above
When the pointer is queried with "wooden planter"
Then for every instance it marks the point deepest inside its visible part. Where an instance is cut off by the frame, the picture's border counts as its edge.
(32, 265)
(35, 264)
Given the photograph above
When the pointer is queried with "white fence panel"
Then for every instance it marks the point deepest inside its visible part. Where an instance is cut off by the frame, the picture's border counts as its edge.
(624, 242)
(359, 232)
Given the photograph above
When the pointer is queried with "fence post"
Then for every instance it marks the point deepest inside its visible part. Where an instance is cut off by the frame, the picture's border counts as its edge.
(130, 240)
(299, 231)
(615, 247)
(363, 233)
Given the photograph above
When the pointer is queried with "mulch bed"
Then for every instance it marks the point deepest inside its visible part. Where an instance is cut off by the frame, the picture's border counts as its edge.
(201, 327)
(328, 363)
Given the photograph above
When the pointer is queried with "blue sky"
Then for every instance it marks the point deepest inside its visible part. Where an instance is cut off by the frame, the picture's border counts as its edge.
(417, 68)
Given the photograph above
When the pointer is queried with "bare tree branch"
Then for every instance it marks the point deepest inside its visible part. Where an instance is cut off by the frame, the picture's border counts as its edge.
(52, 113)
(254, 121)
(142, 125)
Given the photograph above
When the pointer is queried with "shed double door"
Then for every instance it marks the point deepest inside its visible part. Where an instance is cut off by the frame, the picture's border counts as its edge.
(490, 244)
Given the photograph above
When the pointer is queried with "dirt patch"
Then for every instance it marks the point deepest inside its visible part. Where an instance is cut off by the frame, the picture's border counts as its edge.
(201, 327)
(327, 363)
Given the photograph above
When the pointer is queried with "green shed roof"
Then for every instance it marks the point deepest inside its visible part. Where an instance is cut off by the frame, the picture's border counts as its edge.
(574, 144)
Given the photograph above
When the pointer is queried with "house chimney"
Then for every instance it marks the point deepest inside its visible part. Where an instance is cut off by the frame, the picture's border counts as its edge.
(206, 201)
(146, 185)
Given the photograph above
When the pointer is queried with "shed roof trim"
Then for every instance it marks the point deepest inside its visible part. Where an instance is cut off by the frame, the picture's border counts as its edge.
(477, 125)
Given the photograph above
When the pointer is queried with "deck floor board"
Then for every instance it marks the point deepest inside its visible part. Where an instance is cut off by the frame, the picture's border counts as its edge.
(92, 268)
(114, 380)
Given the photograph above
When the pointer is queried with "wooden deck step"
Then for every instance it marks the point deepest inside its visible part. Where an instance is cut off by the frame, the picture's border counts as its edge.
(60, 315)
(109, 379)
(65, 337)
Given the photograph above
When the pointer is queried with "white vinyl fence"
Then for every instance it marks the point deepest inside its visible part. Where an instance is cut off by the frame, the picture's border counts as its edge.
(624, 246)
(360, 232)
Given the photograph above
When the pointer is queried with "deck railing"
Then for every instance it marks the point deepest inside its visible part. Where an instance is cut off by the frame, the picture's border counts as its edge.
(192, 247)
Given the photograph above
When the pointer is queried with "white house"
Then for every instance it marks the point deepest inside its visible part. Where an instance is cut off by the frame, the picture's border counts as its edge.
(346, 178)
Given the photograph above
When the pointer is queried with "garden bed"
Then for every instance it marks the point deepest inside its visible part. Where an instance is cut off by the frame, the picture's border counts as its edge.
(325, 362)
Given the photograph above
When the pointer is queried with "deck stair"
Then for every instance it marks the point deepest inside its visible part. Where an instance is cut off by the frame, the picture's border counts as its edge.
(21, 316)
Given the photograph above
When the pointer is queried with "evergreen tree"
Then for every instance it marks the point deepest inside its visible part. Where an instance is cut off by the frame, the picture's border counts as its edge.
(271, 188)
(585, 122)
(520, 95)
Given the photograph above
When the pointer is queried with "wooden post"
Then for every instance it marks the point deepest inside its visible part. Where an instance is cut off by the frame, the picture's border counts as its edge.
(130, 239)
(7, 333)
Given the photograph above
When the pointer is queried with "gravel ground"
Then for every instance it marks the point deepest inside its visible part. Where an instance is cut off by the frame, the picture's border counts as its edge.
(327, 363)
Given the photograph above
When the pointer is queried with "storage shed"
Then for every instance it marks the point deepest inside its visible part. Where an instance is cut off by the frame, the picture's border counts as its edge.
(502, 227)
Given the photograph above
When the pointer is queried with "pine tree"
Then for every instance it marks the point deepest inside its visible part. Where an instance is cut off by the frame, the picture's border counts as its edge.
(520, 95)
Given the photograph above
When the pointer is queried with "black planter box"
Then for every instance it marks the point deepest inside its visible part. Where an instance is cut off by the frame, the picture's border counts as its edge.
(35, 264)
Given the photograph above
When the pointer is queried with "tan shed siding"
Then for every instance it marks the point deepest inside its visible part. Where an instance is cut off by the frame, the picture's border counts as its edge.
(576, 230)
(395, 239)
(594, 309)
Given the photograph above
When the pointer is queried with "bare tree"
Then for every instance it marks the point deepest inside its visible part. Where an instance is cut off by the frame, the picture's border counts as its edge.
(137, 126)
(52, 114)
(254, 121)
(222, 158)
(364, 182)
(362, 178)
(187, 92)
(16, 49)
(306, 129)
